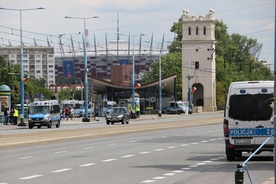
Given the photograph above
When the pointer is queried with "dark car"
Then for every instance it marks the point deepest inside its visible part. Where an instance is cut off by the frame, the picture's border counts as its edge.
(117, 114)
(174, 110)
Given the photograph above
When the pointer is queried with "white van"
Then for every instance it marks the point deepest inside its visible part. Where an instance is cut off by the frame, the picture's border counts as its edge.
(44, 113)
(247, 117)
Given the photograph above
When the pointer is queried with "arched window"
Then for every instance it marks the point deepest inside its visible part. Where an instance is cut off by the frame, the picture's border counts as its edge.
(196, 30)
(204, 31)
(189, 31)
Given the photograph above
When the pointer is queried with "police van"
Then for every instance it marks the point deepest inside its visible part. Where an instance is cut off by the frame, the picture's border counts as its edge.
(247, 117)
(44, 113)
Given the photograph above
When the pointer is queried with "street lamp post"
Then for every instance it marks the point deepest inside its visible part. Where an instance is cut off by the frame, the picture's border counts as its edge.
(85, 119)
(189, 93)
(133, 71)
(22, 123)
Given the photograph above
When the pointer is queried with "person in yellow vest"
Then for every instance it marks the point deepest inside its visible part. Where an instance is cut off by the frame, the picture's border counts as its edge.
(137, 110)
(15, 116)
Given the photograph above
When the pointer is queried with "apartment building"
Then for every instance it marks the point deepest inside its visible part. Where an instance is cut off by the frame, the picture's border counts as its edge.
(38, 61)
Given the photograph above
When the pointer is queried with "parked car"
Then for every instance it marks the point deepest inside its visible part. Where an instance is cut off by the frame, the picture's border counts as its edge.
(117, 114)
(174, 110)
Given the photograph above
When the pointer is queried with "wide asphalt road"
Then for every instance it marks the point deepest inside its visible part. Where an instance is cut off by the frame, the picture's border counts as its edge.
(167, 152)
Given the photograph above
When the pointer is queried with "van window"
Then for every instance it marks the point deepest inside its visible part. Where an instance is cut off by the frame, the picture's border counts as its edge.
(56, 108)
(250, 107)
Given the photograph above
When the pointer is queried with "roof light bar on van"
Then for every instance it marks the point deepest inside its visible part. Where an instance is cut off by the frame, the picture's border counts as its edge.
(242, 90)
(264, 90)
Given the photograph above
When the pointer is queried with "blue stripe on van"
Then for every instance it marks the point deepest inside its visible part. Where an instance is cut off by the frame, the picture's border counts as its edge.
(250, 132)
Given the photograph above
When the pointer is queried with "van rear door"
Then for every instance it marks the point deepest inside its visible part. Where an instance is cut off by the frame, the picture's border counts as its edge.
(249, 113)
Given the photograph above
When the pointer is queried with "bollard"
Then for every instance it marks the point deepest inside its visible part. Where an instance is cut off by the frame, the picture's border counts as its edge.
(239, 174)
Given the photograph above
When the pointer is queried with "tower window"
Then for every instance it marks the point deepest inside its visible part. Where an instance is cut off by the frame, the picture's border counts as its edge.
(196, 30)
(204, 31)
(189, 31)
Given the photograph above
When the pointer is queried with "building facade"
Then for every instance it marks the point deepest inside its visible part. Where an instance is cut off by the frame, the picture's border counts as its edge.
(38, 62)
(198, 60)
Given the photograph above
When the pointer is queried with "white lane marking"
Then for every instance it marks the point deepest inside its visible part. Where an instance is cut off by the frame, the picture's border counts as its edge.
(27, 157)
(158, 150)
(30, 177)
(171, 147)
(112, 144)
(194, 143)
(159, 178)
(207, 161)
(203, 141)
(88, 147)
(59, 152)
(62, 170)
(214, 159)
(148, 181)
(212, 139)
(86, 165)
(193, 165)
(169, 174)
(132, 141)
(186, 168)
(177, 171)
(144, 152)
(109, 160)
(127, 156)
(200, 163)
(184, 145)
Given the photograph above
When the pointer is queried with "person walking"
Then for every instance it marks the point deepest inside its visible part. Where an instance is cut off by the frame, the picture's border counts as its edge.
(11, 115)
(15, 116)
(6, 115)
(66, 112)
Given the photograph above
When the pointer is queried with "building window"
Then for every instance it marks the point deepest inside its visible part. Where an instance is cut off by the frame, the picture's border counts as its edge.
(196, 30)
(189, 31)
(204, 31)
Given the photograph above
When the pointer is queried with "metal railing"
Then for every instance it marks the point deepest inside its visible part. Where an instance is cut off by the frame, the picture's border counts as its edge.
(239, 173)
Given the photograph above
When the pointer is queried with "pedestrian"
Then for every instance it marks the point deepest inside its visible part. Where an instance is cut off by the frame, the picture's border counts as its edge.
(11, 115)
(6, 114)
(137, 110)
(66, 112)
(15, 116)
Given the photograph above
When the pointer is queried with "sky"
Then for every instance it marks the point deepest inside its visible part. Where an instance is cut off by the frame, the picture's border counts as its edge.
(252, 18)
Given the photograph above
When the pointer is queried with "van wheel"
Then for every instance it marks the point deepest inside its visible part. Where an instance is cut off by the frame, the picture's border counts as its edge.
(39, 126)
(49, 125)
(58, 124)
(127, 122)
(30, 126)
(123, 121)
(230, 155)
(107, 122)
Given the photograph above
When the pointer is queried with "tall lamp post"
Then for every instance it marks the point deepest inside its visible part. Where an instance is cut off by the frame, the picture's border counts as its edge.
(85, 119)
(133, 71)
(22, 123)
(189, 76)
